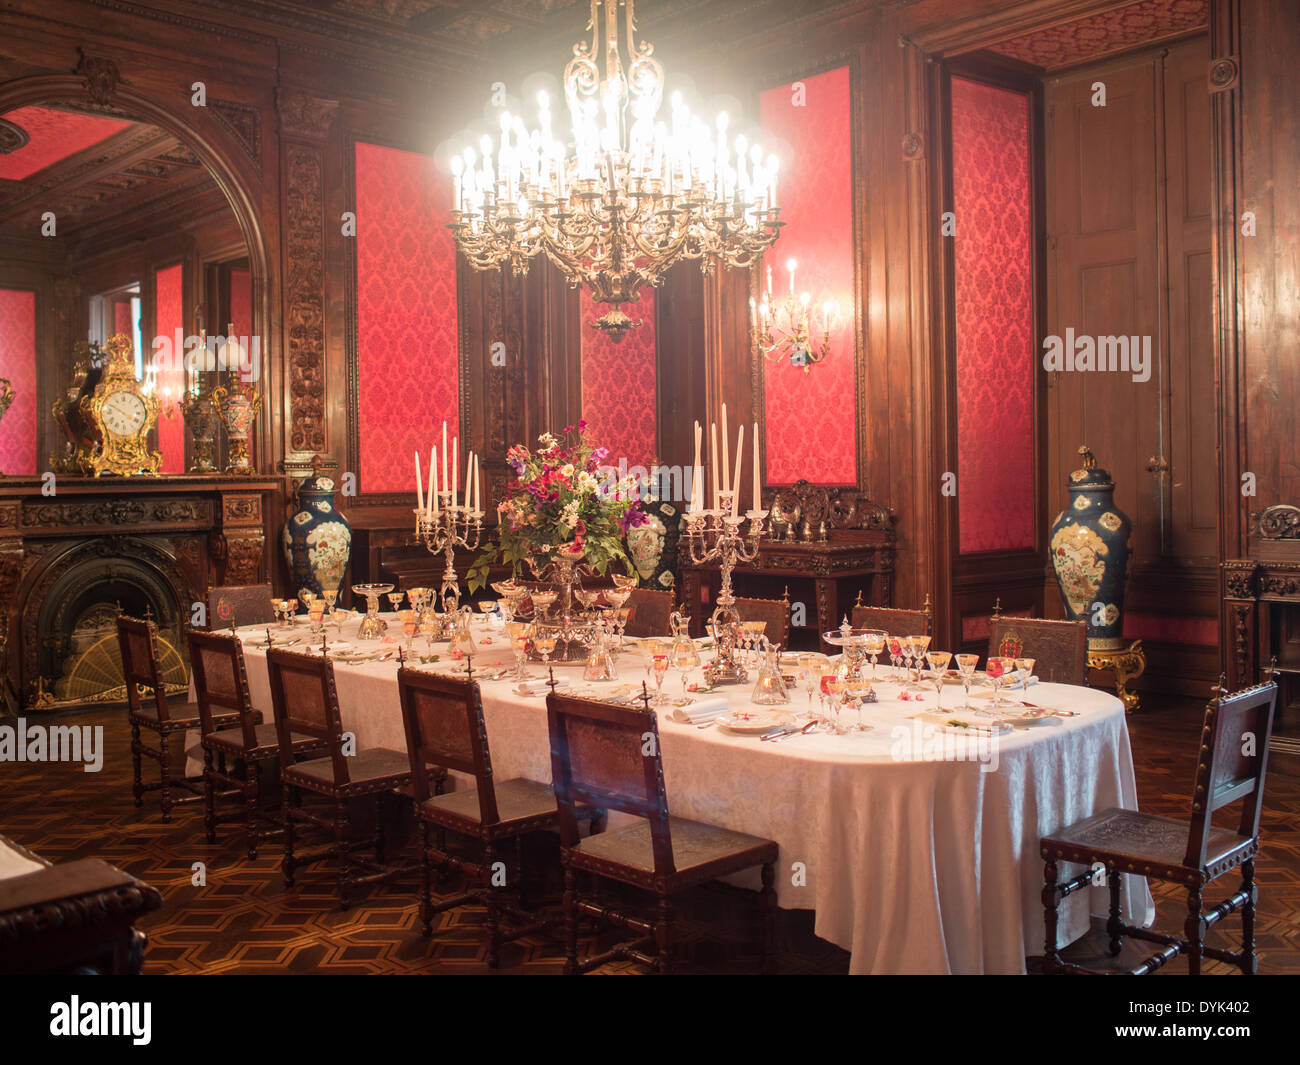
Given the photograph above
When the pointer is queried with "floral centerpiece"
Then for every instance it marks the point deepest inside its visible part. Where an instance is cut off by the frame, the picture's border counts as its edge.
(562, 504)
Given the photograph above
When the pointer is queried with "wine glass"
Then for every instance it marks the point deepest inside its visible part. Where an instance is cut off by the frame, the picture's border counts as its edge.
(920, 644)
(659, 665)
(685, 658)
(1024, 670)
(542, 603)
(895, 644)
(857, 691)
(997, 668)
(873, 642)
(833, 685)
(316, 616)
(306, 598)
(966, 666)
(825, 674)
(331, 597)
(544, 638)
(518, 632)
(806, 662)
(396, 599)
(906, 653)
(429, 630)
(938, 667)
(410, 627)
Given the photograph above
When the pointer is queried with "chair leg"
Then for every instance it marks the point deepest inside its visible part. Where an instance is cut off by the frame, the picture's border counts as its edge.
(379, 828)
(164, 761)
(1249, 962)
(341, 850)
(767, 904)
(287, 805)
(663, 935)
(1114, 923)
(209, 797)
(1051, 959)
(570, 921)
(1194, 930)
(252, 779)
(137, 780)
(426, 904)
(493, 902)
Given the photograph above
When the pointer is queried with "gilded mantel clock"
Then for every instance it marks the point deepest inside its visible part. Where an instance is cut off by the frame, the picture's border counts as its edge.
(126, 414)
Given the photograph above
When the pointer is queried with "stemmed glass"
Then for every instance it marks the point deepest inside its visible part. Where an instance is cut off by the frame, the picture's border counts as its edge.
(807, 661)
(895, 645)
(754, 632)
(544, 637)
(283, 609)
(396, 599)
(872, 644)
(316, 616)
(331, 597)
(685, 658)
(1024, 670)
(833, 686)
(920, 644)
(659, 665)
(518, 632)
(998, 668)
(966, 666)
(306, 598)
(542, 603)
(618, 598)
(372, 625)
(429, 630)
(826, 677)
(410, 626)
(938, 661)
(587, 597)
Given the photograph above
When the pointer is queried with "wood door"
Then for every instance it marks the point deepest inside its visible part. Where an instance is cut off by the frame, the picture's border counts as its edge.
(1129, 255)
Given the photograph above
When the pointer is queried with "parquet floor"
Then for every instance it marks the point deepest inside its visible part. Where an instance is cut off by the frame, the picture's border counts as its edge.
(243, 920)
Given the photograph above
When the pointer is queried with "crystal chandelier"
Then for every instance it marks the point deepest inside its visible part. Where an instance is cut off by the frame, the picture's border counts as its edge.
(629, 196)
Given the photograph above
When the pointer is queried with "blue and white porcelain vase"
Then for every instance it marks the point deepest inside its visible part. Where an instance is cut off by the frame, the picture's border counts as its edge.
(1090, 548)
(317, 538)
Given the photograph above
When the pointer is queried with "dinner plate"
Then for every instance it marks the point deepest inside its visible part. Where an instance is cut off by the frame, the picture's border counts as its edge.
(285, 640)
(748, 721)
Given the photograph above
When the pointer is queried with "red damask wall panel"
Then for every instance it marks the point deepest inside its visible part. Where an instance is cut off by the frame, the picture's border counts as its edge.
(993, 291)
(810, 417)
(241, 300)
(407, 364)
(52, 135)
(618, 383)
(1111, 31)
(18, 364)
(122, 318)
(169, 315)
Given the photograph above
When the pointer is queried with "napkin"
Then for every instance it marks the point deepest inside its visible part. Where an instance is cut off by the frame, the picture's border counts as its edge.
(701, 710)
(1014, 685)
(539, 685)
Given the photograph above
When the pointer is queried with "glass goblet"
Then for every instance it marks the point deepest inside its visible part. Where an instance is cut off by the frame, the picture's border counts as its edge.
(998, 668)
(1024, 670)
(306, 598)
(920, 644)
(544, 639)
(659, 666)
(895, 645)
(395, 598)
(685, 658)
(938, 661)
(966, 667)
(872, 644)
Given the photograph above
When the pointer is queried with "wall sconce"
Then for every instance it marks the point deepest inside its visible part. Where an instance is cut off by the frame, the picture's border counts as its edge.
(784, 331)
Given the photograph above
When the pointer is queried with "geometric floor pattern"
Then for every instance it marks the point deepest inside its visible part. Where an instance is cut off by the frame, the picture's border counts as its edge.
(243, 920)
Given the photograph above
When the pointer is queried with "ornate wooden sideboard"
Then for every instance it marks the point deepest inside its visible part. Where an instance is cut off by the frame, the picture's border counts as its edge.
(78, 546)
(833, 543)
(1262, 607)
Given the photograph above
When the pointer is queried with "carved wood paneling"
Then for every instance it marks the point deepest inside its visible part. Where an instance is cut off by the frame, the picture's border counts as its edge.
(304, 289)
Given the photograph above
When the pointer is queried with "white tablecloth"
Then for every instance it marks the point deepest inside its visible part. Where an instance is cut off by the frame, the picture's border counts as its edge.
(911, 863)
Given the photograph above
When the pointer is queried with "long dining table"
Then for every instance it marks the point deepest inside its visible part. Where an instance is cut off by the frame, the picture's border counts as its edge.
(915, 843)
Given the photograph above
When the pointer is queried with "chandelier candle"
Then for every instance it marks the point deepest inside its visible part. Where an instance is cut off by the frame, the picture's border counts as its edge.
(622, 196)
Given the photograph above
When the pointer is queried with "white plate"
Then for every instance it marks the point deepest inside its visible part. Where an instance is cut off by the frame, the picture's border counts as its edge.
(750, 721)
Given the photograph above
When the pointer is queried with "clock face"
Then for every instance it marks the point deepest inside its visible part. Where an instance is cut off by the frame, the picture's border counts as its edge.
(123, 413)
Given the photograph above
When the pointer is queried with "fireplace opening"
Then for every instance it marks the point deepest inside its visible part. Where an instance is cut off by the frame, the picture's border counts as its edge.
(79, 660)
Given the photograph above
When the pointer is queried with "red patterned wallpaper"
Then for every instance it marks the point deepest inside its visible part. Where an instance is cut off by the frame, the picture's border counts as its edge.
(52, 135)
(122, 318)
(18, 364)
(618, 383)
(811, 417)
(1107, 33)
(993, 292)
(407, 365)
(169, 315)
(241, 303)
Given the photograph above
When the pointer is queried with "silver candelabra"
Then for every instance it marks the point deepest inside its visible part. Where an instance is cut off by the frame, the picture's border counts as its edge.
(714, 535)
(444, 529)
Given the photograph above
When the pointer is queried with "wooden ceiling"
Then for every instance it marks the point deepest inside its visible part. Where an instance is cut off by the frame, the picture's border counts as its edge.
(131, 174)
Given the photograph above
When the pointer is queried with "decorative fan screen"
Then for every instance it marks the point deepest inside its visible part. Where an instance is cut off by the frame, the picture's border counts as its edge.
(96, 676)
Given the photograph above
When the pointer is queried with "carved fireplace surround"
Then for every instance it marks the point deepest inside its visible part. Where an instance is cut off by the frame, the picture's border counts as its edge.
(159, 542)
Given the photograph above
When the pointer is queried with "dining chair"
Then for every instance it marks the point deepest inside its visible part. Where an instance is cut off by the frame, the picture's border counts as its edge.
(894, 620)
(240, 604)
(609, 757)
(1231, 764)
(142, 667)
(1059, 648)
(649, 611)
(221, 680)
(774, 613)
(306, 704)
(445, 730)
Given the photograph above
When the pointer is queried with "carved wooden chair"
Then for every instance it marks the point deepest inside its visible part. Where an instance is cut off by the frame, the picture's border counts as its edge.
(445, 730)
(608, 756)
(141, 666)
(1231, 766)
(239, 604)
(774, 613)
(220, 680)
(1059, 648)
(306, 704)
(894, 620)
(71, 918)
(649, 611)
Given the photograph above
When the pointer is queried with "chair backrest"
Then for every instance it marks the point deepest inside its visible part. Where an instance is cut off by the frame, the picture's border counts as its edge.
(894, 620)
(443, 716)
(1059, 648)
(608, 756)
(306, 702)
(1232, 761)
(221, 680)
(244, 604)
(137, 641)
(649, 611)
(774, 613)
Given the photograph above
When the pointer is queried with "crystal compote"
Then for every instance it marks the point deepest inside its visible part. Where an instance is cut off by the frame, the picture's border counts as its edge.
(543, 601)
(854, 645)
(372, 625)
